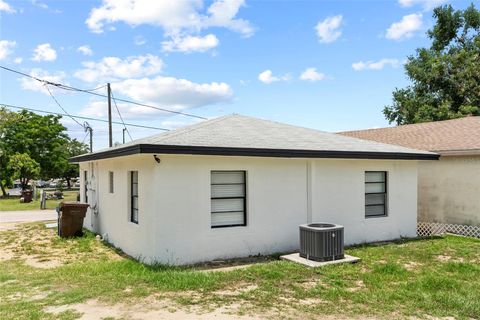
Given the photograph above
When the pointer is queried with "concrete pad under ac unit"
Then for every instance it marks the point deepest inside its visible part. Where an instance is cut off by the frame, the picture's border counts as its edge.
(295, 257)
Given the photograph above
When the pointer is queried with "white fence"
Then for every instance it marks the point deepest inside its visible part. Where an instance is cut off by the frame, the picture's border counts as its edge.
(426, 229)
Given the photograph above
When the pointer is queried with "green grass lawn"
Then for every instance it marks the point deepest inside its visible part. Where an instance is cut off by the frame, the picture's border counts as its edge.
(13, 204)
(435, 277)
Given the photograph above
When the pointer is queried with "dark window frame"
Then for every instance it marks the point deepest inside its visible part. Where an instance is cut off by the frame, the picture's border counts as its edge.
(385, 196)
(244, 224)
(85, 187)
(111, 180)
(133, 196)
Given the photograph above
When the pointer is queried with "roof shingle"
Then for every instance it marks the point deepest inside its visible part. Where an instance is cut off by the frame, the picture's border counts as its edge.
(444, 137)
(237, 133)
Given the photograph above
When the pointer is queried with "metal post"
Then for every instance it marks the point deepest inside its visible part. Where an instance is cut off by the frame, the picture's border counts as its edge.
(88, 128)
(91, 139)
(110, 138)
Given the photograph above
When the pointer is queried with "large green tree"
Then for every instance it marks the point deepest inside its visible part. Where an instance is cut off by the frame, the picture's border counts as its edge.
(74, 148)
(446, 76)
(43, 139)
(24, 168)
(6, 118)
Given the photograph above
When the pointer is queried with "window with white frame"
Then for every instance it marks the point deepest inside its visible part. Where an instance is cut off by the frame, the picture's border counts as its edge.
(375, 194)
(110, 181)
(228, 199)
(133, 196)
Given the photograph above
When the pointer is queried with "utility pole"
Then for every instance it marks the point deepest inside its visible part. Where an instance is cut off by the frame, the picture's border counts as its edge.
(110, 138)
(123, 132)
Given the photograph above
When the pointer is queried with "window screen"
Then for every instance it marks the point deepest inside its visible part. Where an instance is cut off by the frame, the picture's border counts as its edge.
(134, 196)
(375, 193)
(228, 198)
(85, 185)
(110, 181)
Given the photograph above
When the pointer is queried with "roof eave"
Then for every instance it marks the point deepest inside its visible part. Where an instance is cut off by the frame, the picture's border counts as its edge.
(250, 152)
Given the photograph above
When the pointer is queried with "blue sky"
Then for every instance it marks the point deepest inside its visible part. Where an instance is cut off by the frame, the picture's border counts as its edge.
(328, 65)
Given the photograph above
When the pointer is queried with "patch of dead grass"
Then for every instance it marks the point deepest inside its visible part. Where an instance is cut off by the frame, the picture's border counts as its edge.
(40, 247)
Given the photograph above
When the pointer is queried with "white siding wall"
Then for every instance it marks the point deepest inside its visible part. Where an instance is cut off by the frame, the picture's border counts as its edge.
(174, 219)
(449, 190)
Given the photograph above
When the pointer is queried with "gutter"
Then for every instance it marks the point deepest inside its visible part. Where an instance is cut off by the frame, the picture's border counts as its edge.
(249, 152)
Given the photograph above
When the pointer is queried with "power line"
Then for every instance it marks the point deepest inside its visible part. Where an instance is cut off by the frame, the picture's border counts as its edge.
(62, 86)
(58, 103)
(81, 117)
(65, 87)
(119, 114)
(86, 135)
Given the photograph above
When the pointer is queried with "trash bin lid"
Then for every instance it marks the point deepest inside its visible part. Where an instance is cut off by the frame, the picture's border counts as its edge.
(64, 204)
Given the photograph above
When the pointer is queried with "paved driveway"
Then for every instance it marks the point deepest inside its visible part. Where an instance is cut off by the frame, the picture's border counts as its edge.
(27, 216)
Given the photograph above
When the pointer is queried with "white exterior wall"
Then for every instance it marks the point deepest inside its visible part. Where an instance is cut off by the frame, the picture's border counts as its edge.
(449, 190)
(174, 210)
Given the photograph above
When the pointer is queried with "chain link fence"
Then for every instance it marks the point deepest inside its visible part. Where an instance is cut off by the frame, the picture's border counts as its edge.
(426, 229)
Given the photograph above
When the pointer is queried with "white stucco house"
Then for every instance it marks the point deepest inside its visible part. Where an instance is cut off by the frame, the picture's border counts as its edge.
(449, 189)
(237, 186)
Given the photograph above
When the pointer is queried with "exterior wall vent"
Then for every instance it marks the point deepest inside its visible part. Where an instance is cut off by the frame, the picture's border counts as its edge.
(321, 241)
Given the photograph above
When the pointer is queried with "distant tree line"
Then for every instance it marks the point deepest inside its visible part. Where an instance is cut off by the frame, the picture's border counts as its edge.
(33, 146)
(446, 76)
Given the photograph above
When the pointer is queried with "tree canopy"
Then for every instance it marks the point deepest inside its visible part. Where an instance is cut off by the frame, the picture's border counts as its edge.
(43, 139)
(24, 168)
(445, 77)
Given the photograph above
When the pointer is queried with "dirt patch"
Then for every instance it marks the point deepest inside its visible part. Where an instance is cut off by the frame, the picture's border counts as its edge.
(411, 266)
(40, 247)
(8, 226)
(151, 308)
(236, 291)
(443, 258)
(358, 286)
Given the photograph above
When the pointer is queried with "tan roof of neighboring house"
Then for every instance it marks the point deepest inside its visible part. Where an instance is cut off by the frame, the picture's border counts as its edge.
(456, 136)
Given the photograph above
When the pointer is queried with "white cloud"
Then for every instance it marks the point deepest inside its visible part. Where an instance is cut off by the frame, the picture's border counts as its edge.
(34, 85)
(99, 109)
(85, 50)
(44, 52)
(311, 74)
(375, 65)
(426, 4)
(168, 92)
(190, 43)
(405, 28)
(6, 48)
(174, 93)
(329, 30)
(18, 60)
(268, 77)
(114, 68)
(6, 7)
(174, 17)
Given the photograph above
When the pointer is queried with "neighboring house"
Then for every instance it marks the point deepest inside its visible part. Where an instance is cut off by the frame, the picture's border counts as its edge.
(238, 186)
(449, 189)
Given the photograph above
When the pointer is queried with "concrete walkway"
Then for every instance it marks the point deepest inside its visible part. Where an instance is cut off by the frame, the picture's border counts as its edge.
(27, 216)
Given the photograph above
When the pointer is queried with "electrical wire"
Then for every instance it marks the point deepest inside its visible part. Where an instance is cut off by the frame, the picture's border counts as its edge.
(119, 114)
(86, 135)
(81, 117)
(58, 103)
(65, 87)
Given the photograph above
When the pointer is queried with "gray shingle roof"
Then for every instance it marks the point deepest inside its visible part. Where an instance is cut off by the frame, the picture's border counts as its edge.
(242, 132)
